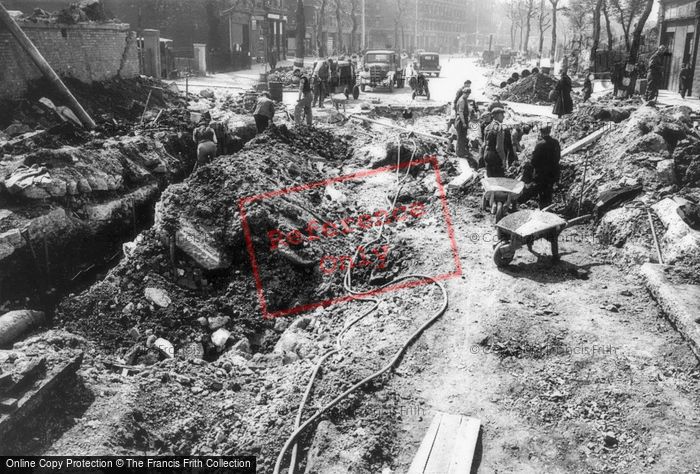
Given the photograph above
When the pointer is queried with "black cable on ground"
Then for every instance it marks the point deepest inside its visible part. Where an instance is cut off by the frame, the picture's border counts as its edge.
(347, 283)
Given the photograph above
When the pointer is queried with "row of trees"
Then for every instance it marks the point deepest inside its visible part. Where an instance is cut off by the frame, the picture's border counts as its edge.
(584, 18)
(343, 10)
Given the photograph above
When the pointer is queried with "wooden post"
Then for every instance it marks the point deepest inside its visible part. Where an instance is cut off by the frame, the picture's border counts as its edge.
(44, 67)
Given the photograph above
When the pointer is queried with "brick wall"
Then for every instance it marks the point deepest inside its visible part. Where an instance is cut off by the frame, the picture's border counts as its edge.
(88, 52)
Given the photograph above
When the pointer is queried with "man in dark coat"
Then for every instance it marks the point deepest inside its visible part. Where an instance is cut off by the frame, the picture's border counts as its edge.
(544, 169)
(564, 104)
(684, 80)
(494, 145)
(655, 73)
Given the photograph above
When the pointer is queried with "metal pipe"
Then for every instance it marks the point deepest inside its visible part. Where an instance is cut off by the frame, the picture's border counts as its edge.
(45, 67)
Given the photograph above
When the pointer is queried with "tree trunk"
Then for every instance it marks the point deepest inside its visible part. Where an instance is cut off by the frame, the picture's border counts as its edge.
(637, 34)
(339, 20)
(301, 31)
(512, 35)
(543, 28)
(528, 16)
(353, 15)
(608, 28)
(320, 44)
(553, 51)
(636, 41)
(596, 31)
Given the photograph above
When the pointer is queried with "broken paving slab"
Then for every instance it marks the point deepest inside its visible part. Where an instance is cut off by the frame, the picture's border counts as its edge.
(679, 302)
(21, 402)
(200, 246)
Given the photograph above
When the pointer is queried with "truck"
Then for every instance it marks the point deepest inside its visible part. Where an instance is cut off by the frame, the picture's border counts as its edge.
(381, 68)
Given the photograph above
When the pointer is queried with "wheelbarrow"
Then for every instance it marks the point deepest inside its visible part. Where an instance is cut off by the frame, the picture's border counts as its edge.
(501, 194)
(524, 228)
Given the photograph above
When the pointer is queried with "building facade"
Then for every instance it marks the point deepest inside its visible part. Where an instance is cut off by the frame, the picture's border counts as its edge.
(678, 22)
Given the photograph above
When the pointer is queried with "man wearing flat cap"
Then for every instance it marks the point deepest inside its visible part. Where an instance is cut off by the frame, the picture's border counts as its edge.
(462, 123)
(494, 141)
(543, 168)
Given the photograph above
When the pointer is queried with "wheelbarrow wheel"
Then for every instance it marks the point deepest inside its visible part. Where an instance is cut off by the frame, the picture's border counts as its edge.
(503, 254)
(499, 211)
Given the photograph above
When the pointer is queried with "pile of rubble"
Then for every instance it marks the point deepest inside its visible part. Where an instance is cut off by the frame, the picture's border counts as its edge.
(586, 119)
(82, 11)
(533, 89)
(652, 157)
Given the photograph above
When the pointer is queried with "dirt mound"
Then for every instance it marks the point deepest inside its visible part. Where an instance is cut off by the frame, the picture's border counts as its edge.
(110, 103)
(533, 89)
(586, 119)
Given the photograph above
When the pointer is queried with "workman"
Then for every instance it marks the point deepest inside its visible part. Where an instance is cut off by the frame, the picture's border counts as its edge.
(264, 112)
(205, 138)
(462, 123)
(494, 145)
(544, 169)
(655, 73)
(306, 98)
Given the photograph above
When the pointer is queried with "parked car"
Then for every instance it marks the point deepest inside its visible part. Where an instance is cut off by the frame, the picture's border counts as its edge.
(429, 64)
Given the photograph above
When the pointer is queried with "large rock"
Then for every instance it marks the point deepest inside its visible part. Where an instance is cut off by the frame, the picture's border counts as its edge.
(157, 296)
(618, 225)
(679, 241)
(666, 171)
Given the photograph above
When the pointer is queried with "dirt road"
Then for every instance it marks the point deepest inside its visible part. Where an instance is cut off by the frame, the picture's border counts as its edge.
(569, 366)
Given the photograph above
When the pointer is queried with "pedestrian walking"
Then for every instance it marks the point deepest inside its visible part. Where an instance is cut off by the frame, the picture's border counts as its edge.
(564, 104)
(685, 80)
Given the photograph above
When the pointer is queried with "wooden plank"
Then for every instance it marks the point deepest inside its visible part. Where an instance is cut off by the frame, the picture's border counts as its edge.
(8, 404)
(465, 444)
(448, 446)
(441, 455)
(426, 446)
(585, 141)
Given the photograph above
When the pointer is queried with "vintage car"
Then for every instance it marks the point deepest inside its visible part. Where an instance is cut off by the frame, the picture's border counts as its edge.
(381, 68)
(429, 64)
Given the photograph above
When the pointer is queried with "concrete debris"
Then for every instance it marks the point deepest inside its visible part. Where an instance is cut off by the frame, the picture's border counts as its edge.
(165, 347)
(220, 337)
(158, 297)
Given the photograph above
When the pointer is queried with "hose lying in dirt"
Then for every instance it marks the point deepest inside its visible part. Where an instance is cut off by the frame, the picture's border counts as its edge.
(347, 283)
(380, 372)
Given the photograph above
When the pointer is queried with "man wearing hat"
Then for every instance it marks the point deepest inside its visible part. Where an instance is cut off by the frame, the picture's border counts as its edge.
(494, 142)
(544, 169)
(462, 123)
(306, 98)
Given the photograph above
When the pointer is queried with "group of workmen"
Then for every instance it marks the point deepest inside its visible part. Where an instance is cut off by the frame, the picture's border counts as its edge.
(501, 145)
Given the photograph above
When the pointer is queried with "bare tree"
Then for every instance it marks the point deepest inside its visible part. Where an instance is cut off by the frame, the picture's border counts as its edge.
(553, 50)
(321, 20)
(544, 24)
(578, 12)
(301, 30)
(512, 15)
(401, 6)
(637, 40)
(596, 29)
(608, 28)
(529, 12)
(627, 11)
(339, 20)
(355, 4)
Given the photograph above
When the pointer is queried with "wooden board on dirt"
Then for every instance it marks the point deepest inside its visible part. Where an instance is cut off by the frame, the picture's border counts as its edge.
(448, 446)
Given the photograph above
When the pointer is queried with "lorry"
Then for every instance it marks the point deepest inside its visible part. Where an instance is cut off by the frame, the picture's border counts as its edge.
(381, 68)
